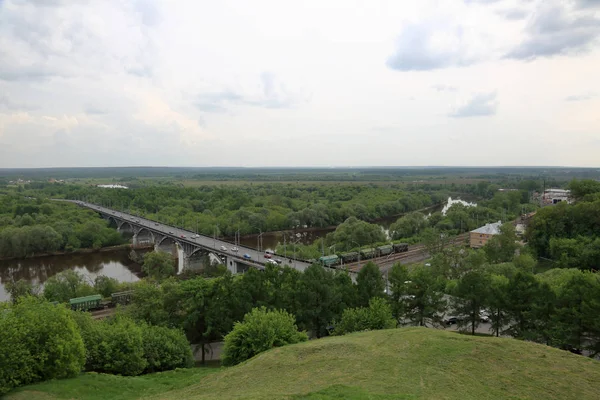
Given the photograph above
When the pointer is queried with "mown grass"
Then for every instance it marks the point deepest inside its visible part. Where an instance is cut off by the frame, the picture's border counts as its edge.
(408, 363)
(94, 386)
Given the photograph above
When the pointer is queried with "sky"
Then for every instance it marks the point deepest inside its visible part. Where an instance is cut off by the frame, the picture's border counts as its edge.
(299, 83)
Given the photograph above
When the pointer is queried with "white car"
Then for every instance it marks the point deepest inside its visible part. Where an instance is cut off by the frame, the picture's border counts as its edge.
(234, 249)
(223, 248)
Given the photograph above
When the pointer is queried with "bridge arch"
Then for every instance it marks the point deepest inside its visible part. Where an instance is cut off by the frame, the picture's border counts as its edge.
(145, 231)
(169, 238)
(125, 224)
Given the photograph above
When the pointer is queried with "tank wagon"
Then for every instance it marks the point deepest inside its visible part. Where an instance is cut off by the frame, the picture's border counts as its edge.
(385, 250)
(368, 253)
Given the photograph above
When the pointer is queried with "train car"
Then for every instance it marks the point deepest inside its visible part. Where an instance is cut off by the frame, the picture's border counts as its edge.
(329, 261)
(385, 250)
(122, 298)
(367, 253)
(349, 257)
(86, 303)
(400, 247)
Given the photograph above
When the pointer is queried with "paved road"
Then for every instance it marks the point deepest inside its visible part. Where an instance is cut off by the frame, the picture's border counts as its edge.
(185, 236)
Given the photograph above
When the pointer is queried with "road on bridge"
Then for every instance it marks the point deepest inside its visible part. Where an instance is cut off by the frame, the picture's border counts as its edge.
(181, 235)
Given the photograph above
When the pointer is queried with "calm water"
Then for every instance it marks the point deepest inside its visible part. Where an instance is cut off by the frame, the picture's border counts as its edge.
(115, 264)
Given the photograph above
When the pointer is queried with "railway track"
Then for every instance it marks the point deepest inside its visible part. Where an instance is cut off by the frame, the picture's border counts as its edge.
(413, 251)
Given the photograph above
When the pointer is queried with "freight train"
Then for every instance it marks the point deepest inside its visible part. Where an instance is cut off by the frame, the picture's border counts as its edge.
(363, 254)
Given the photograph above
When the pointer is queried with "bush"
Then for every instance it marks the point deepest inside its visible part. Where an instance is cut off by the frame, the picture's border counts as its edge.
(377, 316)
(38, 341)
(67, 285)
(165, 349)
(115, 346)
(105, 285)
(261, 330)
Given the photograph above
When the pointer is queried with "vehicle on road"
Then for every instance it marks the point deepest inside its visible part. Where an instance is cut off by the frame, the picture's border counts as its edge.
(156, 224)
(272, 262)
(223, 248)
(451, 320)
(269, 251)
(171, 232)
(183, 236)
(484, 316)
(247, 256)
(196, 236)
(234, 249)
(267, 255)
(278, 261)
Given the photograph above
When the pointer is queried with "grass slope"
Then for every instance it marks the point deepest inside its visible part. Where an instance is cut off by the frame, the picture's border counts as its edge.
(409, 363)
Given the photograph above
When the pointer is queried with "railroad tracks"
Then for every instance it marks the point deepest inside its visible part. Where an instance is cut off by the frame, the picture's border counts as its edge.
(416, 251)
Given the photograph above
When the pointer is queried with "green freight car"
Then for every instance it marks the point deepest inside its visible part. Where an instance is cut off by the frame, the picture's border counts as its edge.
(329, 261)
(385, 250)
(367, 253)
(400, 247)
(122, 298)
(86, 303)
(349, 257)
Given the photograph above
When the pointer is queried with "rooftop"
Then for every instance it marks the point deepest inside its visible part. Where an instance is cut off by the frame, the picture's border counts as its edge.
(489, 229)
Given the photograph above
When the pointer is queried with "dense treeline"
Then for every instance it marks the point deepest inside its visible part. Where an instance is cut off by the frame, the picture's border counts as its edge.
(569, 234)
(32, 226)
(252, 208)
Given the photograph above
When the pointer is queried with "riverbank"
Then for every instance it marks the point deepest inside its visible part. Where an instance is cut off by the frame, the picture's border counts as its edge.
(125, 246)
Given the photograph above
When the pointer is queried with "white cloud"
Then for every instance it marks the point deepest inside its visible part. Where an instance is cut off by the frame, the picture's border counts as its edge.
(290, 83)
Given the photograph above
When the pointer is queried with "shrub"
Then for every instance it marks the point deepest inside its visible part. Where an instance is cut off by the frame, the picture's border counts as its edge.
(38, 341)
(115, 346)
(66, 285)
(261, 330)
(377, 316)
(165, 349)
(106, 285)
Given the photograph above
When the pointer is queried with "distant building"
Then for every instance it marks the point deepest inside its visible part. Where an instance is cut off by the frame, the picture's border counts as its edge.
(554, 196)
(113, 186)
(480, 236)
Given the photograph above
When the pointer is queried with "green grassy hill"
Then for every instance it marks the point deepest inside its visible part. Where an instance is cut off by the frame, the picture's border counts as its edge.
(411, 363)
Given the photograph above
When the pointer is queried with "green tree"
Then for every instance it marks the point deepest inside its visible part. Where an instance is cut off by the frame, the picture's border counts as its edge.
(470, 297)
(377, 316)
(165, 349)
(408, 226)
(502, 247)
(106, 285)
(20, 288)
(159, 265)
(260, 330)
(426, 296)
(38, 341)
(67, 285)
(497, 301)
(369, 284)
(116, 346)
(317, 299)
(521, 295)
(398, 280)
(354, 232)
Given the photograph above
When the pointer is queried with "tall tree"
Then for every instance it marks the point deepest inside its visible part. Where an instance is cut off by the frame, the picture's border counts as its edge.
(470, 296)
(369, 284)
(398, 280)
(317, 299)
(426, 296)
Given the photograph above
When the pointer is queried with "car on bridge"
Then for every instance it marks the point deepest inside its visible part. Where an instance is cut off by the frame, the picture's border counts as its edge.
(223, 248)
(247, 256)
(268, 255)
(272, 262)
(183, 236)
(234, 249)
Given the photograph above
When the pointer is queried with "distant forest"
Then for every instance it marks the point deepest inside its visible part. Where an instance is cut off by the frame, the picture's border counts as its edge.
(297, 174)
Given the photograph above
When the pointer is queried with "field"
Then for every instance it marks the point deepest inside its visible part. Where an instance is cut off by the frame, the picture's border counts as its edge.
(409, 363)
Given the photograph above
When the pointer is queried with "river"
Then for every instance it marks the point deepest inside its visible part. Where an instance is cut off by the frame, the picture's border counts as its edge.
(114, 264)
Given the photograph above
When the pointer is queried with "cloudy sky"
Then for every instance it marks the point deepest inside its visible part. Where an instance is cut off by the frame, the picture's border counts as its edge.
(299, 83)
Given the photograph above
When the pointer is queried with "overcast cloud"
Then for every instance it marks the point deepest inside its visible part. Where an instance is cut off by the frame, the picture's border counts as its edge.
(282, 83)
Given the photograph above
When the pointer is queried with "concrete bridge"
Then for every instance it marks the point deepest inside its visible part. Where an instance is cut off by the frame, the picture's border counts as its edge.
(192, 244)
